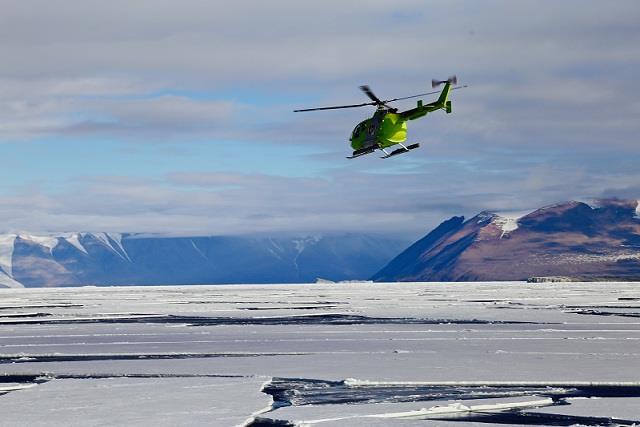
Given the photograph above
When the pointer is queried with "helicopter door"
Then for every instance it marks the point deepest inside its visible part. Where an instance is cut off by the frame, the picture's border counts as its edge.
(374, 124)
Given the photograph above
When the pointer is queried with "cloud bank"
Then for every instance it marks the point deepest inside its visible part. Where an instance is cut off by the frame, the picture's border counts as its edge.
(551, 112)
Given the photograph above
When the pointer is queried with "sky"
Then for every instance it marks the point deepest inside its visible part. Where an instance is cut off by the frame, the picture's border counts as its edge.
(176, 117)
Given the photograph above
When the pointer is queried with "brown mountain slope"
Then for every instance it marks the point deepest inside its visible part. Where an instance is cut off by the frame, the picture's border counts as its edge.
(570, 239)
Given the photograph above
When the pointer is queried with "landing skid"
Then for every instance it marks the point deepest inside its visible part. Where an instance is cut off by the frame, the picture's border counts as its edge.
(362, 152)
(399, 150)
(369, 150)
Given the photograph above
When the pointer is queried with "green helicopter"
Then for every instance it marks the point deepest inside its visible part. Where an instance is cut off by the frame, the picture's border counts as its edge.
(388, 126)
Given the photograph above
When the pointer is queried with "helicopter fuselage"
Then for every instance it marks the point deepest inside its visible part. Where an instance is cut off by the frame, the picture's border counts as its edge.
(388, 127)
(384, 129)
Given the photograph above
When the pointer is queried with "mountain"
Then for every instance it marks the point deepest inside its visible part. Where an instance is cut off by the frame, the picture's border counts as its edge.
(74, 259)
(571, 239)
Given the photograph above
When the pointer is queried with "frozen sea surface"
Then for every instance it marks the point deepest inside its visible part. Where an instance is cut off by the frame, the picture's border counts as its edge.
(357, 354)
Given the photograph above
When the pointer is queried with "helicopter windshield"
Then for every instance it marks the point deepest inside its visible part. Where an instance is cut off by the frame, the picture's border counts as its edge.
(357, 130)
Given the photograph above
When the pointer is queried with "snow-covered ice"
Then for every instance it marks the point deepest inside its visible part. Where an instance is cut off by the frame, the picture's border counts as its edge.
(324, 354)
(8, 282)
(620, 408)
(136, 401)
(7, 242)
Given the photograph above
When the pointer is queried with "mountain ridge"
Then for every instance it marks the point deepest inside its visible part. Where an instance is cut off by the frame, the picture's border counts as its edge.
(68, 259)
(571, 239)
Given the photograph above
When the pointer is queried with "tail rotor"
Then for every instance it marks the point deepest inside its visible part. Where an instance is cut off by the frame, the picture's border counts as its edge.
(452, 79)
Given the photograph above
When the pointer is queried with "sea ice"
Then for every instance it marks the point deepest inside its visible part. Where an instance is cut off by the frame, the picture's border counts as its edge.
(345, 352)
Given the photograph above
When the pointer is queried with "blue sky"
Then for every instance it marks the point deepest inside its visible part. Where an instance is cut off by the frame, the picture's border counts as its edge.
(176, 118)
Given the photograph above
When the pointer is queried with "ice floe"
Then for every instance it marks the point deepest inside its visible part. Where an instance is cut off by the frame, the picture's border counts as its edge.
(358, 354)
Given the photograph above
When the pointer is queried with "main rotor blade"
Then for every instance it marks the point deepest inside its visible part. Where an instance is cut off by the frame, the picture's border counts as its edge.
(412, 96)
(335, 108)
(376, 100)
(366, 89)
(422, 94)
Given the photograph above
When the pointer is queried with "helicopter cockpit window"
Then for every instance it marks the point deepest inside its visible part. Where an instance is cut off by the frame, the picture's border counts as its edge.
(356, 131)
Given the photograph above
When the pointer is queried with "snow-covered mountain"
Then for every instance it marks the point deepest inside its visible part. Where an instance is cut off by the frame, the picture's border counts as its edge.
(572, 239)
(109, 258)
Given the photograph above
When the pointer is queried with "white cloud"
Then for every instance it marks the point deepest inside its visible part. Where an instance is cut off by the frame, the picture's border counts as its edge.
(232, 203)
(514, 54)
(553, 96)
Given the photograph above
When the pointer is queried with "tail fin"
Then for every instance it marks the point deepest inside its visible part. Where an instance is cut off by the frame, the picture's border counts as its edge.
(444, 95)
(443, 101)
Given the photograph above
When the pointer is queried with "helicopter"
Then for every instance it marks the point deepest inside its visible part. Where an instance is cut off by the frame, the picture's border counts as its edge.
(388, 126)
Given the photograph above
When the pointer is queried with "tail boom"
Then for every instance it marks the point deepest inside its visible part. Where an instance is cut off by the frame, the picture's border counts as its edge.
(442, 103)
